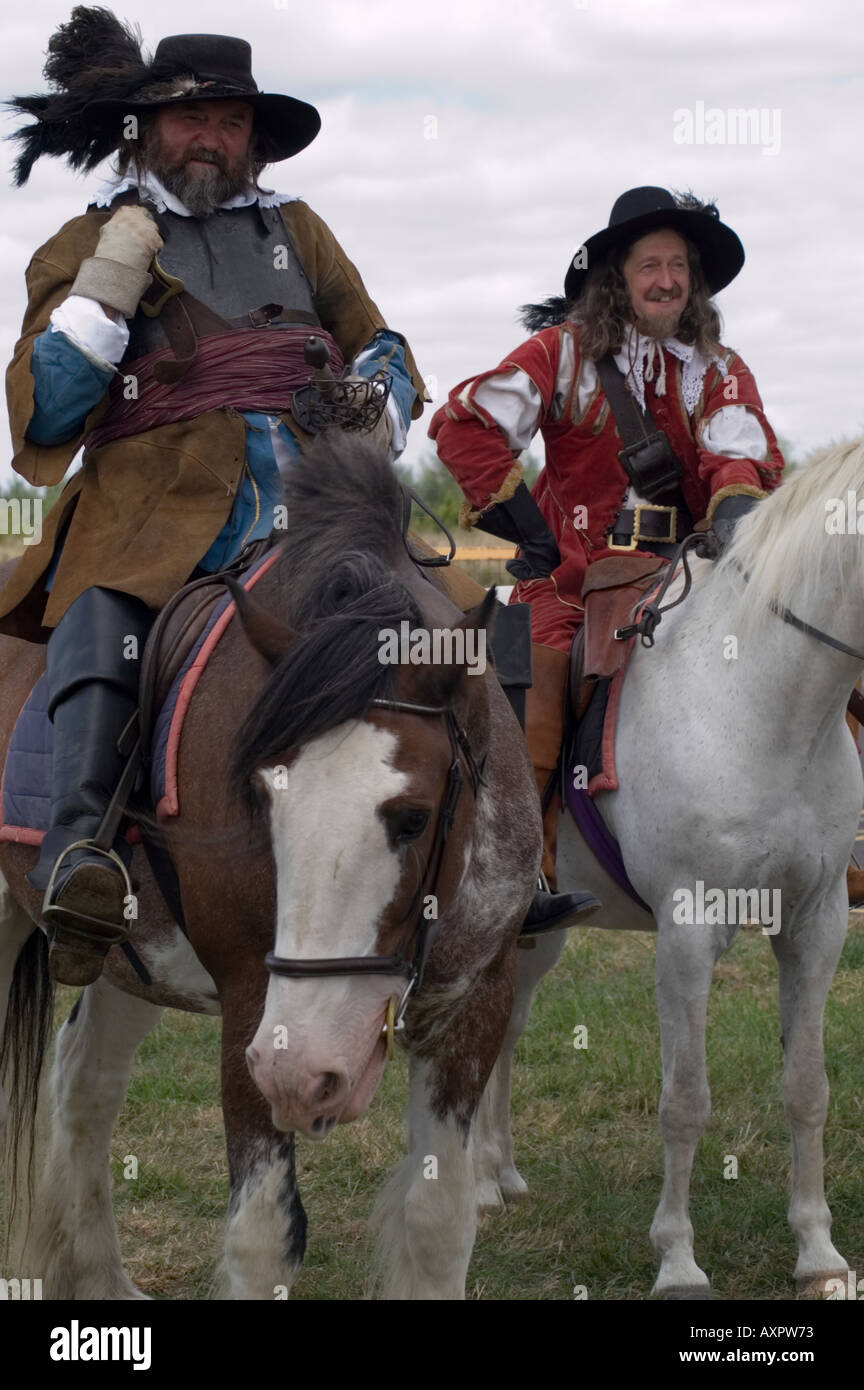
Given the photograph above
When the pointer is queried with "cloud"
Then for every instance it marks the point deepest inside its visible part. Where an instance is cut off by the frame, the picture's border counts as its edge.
(468, 149)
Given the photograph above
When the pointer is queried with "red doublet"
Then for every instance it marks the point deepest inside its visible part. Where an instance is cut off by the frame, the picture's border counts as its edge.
(583, 485)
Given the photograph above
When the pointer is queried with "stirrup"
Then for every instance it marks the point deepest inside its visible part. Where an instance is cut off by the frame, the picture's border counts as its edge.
(63, 917)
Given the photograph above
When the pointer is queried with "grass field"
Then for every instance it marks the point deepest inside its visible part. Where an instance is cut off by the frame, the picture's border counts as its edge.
(586, 1142)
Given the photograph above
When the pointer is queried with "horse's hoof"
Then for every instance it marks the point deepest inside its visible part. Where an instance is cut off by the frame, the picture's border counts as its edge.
(701, 1295)
(489, 1198)
(513, 1186)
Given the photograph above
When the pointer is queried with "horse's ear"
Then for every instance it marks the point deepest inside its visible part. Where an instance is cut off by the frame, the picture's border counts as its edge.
(444, 681)
(268, 634)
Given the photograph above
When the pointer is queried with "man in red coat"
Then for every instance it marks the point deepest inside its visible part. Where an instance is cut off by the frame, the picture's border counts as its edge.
(637, 295)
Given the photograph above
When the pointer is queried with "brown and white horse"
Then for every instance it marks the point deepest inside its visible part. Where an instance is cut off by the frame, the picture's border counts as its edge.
(342, 859)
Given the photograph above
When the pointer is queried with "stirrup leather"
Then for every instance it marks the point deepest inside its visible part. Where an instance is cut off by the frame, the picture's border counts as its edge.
(107, 935)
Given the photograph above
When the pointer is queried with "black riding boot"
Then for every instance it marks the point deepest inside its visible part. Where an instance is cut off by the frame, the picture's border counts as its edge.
(92, 668)
(554, 911)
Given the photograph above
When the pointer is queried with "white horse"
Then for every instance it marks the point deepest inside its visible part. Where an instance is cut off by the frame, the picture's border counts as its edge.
(736, 771)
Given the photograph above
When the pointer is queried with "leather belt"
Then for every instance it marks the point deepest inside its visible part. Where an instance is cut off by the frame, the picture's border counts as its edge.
(652, 524)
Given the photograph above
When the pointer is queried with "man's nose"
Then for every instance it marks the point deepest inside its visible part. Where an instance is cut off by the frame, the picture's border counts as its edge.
(209, 138)
(665, 279)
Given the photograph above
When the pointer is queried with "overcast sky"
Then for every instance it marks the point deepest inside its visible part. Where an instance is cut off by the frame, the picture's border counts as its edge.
(469, 147)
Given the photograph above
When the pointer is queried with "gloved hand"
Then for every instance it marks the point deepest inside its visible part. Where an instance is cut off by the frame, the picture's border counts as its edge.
(117, 272)
(519, 519)
(726, 514)
(382, 434)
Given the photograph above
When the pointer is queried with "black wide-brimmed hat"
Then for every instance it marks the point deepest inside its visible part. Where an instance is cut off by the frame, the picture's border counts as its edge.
(643, 210)
(100, 76)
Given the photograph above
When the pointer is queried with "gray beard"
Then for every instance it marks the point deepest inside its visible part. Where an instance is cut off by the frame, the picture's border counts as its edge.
(200, 193)
(663, 324)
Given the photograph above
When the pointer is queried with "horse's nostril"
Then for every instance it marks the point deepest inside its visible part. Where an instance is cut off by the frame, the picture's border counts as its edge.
(328, 1086)
(323, 1124)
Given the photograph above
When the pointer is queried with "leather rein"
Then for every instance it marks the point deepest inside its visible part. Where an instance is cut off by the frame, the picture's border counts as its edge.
(399, 963)
(699, 541)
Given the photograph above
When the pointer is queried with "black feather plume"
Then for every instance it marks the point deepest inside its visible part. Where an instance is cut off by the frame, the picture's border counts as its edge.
(534, 317)
(92, 55)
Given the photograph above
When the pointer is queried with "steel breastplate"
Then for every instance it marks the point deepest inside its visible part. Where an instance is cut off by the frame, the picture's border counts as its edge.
(235, 260)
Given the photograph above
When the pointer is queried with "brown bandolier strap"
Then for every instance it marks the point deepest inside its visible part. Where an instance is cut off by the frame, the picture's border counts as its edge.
(185, 319)
(636, 428)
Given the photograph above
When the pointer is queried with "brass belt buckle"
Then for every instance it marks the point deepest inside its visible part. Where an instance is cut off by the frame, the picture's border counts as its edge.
(173, 286)
(633, 541)
(673, 523)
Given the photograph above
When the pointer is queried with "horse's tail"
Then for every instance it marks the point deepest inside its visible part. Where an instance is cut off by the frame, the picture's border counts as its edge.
(23, 1047)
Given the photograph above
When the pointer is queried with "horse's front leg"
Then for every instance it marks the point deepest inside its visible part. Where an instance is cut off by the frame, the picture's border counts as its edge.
(265, 1238)
(807, 958)
(497, 1177)
(73, 1237)
(427, 1215)
(685, 961)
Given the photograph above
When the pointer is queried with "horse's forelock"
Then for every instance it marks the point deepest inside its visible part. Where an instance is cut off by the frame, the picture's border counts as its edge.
(342, 496)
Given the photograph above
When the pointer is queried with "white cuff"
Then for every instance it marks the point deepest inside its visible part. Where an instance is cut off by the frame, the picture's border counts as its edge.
(399, 437)
(86, 324)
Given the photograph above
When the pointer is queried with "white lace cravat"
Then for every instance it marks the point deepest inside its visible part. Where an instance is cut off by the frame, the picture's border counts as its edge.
(639, 358)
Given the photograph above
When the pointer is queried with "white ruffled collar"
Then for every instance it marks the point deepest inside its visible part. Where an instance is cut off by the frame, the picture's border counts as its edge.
(640, 357)
(166, 202)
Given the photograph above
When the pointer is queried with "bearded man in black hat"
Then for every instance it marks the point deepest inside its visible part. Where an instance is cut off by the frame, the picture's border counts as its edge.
(177, 375)
(631, 355)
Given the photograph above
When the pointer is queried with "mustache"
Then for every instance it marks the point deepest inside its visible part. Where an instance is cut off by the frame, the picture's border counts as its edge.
(661, 297)
(208, 157)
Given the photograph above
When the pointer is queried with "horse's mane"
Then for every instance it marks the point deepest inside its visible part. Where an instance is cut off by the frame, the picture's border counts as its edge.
(785, 548)
(344, 530)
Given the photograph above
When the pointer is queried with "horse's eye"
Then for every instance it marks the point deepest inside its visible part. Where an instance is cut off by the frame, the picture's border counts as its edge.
(406, 826)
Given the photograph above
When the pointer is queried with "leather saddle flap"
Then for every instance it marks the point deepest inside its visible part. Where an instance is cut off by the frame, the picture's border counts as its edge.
(612, 589)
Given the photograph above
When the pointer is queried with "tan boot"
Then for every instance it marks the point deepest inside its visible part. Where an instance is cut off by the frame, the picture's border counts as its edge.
(544, 730)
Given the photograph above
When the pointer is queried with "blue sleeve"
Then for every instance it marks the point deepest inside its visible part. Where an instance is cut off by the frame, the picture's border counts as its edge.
(386, 352)
(67, 387)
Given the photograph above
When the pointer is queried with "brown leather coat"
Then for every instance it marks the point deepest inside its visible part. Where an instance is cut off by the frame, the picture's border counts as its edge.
(142, 511)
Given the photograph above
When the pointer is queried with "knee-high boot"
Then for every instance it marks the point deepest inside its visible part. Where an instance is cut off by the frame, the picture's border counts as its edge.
(92, 667)
(544, 730)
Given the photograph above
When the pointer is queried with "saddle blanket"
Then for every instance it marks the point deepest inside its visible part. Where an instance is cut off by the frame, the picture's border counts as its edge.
(25, 793)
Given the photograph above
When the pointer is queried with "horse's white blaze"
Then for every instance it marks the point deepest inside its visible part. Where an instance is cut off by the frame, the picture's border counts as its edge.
(335, 874)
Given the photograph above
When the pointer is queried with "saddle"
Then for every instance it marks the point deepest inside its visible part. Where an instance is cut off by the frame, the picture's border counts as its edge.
(614, 588)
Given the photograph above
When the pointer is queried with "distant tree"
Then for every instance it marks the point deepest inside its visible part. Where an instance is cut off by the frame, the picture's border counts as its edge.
(440, 491)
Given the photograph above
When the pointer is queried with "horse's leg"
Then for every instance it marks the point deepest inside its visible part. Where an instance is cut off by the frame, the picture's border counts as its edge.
(73, 1238)
(495, 1172)
(685, 961)
(806, 960)
(16, 927)
(265, 1238)
(427, 1215)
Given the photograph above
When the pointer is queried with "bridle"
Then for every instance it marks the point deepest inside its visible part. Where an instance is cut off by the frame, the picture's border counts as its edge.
(652, 613)
(422, 932)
